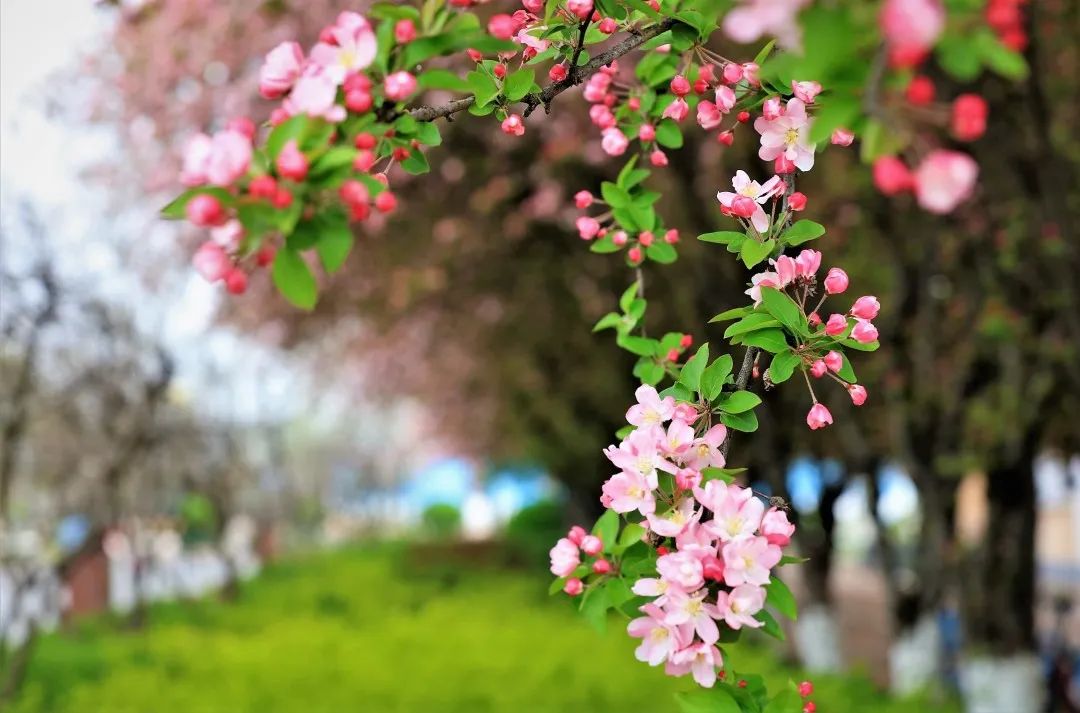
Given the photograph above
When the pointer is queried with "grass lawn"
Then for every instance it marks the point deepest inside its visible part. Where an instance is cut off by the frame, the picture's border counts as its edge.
(354, 630)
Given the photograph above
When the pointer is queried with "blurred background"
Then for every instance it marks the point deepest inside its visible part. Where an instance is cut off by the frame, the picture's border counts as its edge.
(214, 504)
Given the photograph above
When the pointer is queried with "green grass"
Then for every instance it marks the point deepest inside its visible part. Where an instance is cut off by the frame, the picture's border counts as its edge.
(355, 630)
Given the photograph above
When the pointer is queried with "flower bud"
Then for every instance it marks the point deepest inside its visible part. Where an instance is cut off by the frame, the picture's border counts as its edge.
(858, 395)
(647, 132)
(404, 31)
(385, 202)
(576, 535)
(920, 91)
(607, 25)
(818, 369)
(658, 158)
(797, 201)
(671, 236)
(818, 417)
(806, 689)
(732, 72)
(841, 137)
(772, 109)
(601, 566)
(592, 545)
(679, 86)
(866, 307)
(236, 281)
(891, 176)
(513, 125)
(291, 163)
(864, 332)
(646, 238)
(205, 210)
(783, 166)
(836, 325)
(834, 362)
(573, 587)
(836, 281)
(502, 26)
(558, 72)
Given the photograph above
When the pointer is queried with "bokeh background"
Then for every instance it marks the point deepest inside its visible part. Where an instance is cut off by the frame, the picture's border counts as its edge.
(212, 504)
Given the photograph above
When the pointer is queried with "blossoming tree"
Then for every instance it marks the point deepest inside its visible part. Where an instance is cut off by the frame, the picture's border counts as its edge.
(681, 543)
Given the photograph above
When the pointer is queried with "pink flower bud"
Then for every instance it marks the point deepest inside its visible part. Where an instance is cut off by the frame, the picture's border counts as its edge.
(363, 161)
(500, 71)
(291, 162)
(262, 187)
(353, 192)
(750, 73)
(732, 72)
(676, 110)
(534, 6)
(607, 25)
(842, 137)
(592, 545)
(773, 108)
(687, 478)
(385, 202)
(658, 158)
(864, 332)
(573, 587)
(614, 142)
(211, 261)
(583, 199)
(513, 125)
(858, 394)
(866, 307)
(601, 566)
(577, 534)
(399, 86)
(474, 55)
(807, 263)
(797, 201)
(806, 91)
(358, 101)
(679, 86)
(809, 707)
(920, 90)
(236, 281)
(620, 238)
(969, 113)
(818, 369)
(712, 568)
(818, 417)
(814, 319)
(671, 236)
(646, 238)
(891, 176)
(700, 86)
(834, 362)
(836, 325)
(647, 132)
(727, 138)
(836, 281)
(776, 528)
(502, 26)
(635, 256)
(205, 210)
(783, 166)
(582, 8)
(558, 72)
(242, 125)
(587, 227)
(743, 206)
(404, 31)
(806, 689)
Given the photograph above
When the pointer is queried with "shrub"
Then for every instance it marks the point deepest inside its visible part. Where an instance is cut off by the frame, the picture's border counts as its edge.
(441, 521)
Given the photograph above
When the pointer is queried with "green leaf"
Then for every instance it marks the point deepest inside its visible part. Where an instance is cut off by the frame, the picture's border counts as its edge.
(607, 528)
(846, 372)
(594, 607)
(690, 376)
(556, 586)
(785, 310)
(723, 237)
(483, 86)
(715, 700)
(637, 345)
(772, 628)
(627, 297)
(615, 196)
(416, 163)
(733, 313)
(998, 57)
(649, 371)
(783, 366)
(780, 598)
(739, 402)
(335, 240)
(714, 376)
(517, 84)
(293, 128)
(746, 422)
(335, 159)
(442, 79)
(803, 231)
(750, 323)
(771, 340)
(605, 244)
(608, 321)
(630, 535)
(293, 279)
(662, 253)
(668, 134)
(427, 133)
(754, 252)
(786, 701)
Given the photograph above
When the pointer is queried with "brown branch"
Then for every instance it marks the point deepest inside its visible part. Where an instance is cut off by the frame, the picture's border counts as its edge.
(576, 76)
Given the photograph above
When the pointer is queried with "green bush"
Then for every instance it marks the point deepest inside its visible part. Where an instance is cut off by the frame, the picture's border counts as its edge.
(441, 521)
(534, 530)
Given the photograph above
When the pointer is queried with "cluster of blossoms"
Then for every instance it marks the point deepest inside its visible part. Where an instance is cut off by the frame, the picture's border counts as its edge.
(797, 277)
(716, 543)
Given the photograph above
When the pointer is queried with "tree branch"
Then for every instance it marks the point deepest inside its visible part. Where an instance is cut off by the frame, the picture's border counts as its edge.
(576, 76)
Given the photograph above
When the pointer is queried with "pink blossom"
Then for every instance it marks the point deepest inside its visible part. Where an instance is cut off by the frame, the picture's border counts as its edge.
(836, 281)
(502, 26)
(772, 108)
(753, 19)
(785, 269)
(910, 28)
(684, 412)
(818, 417)
(674, 521)
(776, 528)
(291, 162)
(639, 453)
(738, 514)
(699, 659)
(653, 587)
(597, 87)
(647, 132)
(677, 110)
(725, 99)
(677, 440)
(708, 116)
(354, 47)
(732, 73)
(583, 199)
(748, 560)
(650, 410)
(806, 91)
(399, 86)
(404, 31)
(944, 180)
(864, 332)
(691, 610)
(866, 307)
(601, 116)
(891, 176)
(762, 279)
(531, 41)
(807, 263)
(658, 640)
(587, 227)
(197, 153)
(228, 235)
(833, 361)
(858, 394)
(705, 452)
(576, 535)
(787, 136)
(513, 125)
(628, 491)
(573, 587)
(315, 94)
(205, 211)
(682, 569)
(818, 369)
(592, 545)
(211, 261)
(687, 478)
(280, 70)
(217, 161)
(564, 558)
(842, 137)
(836, 325)
(614, 142)
(757, 192)
(582, 8)
(658, 158)
(738, 607)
